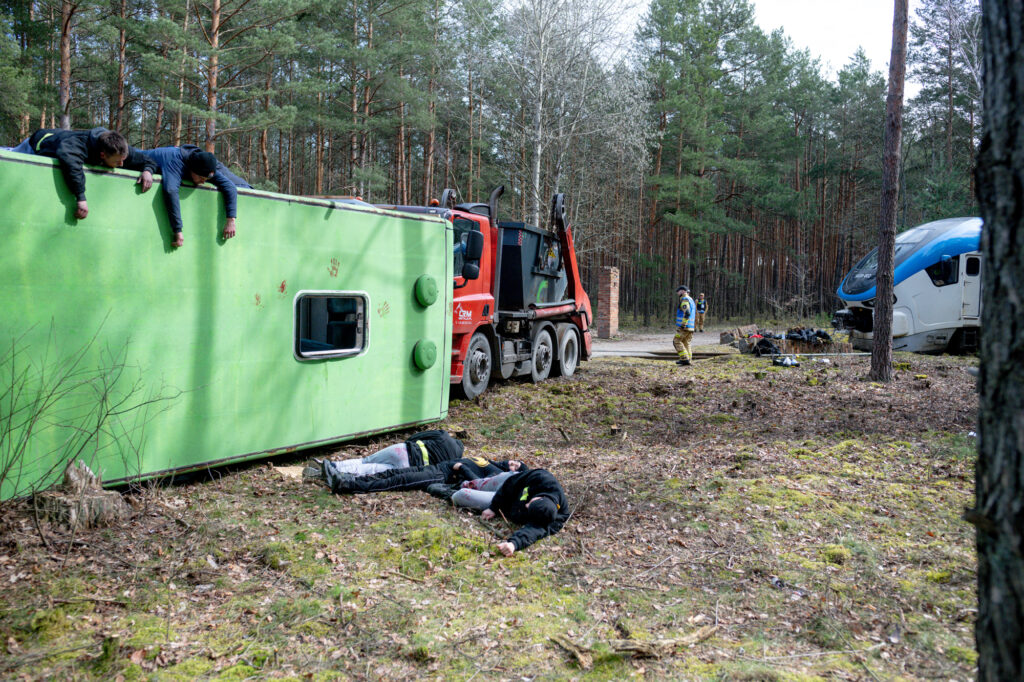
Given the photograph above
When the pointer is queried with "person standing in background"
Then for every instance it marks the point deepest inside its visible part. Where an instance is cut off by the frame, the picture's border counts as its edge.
(702, 309)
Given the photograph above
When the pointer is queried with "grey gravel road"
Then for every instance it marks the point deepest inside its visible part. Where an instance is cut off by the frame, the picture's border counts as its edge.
(647, 345)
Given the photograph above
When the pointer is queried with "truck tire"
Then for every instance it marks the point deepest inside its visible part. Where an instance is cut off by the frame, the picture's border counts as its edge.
(543, 356)
(568, 353)
(476, 370)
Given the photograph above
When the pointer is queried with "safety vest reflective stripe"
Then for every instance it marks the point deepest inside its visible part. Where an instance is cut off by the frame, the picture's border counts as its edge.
(425, 452)
(39, 144)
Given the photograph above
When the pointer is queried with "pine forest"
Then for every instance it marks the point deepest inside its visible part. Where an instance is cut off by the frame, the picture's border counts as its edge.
(692, 146)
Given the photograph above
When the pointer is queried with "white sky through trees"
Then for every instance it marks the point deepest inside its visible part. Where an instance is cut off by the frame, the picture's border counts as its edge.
(830, 29)
(834, 29)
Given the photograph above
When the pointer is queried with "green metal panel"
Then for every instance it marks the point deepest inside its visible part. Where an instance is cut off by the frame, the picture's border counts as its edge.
(197, 342)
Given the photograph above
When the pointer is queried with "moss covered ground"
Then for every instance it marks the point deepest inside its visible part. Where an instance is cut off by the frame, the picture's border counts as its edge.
(732, 520)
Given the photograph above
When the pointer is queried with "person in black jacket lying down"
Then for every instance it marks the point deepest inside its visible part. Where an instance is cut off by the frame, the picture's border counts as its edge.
(434, 478)
(421, 449)
(532, 498)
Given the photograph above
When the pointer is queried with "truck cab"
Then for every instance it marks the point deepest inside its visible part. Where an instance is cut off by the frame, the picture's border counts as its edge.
(519, 308)
(527, 314)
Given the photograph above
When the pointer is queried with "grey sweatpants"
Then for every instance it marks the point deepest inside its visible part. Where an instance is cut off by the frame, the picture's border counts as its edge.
(479, 493)
(392, 457)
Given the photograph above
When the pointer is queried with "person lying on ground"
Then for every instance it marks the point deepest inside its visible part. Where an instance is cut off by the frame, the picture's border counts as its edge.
(421, 449)
(96, 147)
(532, 498)
(441, 479)
(188, 162)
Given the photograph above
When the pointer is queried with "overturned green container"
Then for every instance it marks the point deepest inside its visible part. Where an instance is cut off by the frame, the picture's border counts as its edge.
(138, 359)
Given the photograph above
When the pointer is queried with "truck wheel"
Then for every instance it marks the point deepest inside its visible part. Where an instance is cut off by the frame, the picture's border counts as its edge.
(543, 357)
(476, 370)
(568, 354)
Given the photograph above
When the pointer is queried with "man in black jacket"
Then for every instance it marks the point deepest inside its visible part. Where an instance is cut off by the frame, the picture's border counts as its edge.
(421, 449)
(532, 498)
(96, 147)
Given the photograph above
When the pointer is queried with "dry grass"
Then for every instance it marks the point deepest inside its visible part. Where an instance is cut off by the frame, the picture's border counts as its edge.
(811, 518)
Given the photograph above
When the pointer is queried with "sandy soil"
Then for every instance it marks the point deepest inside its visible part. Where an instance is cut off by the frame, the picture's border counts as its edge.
(647, 344)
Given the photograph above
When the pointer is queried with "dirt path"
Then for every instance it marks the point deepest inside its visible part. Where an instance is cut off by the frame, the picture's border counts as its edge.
(647, 345)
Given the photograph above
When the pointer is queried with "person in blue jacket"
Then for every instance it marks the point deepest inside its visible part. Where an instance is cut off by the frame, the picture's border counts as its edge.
(190, 163)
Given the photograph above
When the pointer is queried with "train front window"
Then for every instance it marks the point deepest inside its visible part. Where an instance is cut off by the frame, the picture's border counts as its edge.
(329, 325)
(862, 277)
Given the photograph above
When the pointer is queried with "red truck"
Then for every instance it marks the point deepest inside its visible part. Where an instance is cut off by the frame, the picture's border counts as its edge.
(519, 306)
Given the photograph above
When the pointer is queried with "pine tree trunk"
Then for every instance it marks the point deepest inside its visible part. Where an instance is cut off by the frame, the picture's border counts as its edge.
(469, 183)
(159, 121)
(67, 14)
(428, 145)
(949, 90)
(999, 512)
(401, 194)
(318, 185)
(265, 133)
(181, 81)
(211, 77)
(881, 352)
(122, 47)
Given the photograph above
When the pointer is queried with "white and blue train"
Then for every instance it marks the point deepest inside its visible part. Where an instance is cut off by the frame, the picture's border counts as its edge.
(937, 290)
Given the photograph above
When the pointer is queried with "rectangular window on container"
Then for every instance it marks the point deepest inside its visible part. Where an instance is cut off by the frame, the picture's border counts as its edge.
(329, 324)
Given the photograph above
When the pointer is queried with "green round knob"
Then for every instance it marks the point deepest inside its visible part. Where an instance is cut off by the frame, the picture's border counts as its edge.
(424, 354)
(426, 290)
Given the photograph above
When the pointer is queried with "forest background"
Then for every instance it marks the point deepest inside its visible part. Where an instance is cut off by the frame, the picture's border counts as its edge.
(693, 147)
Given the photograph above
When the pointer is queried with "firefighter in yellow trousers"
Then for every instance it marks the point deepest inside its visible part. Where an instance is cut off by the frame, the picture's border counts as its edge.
(685, 318)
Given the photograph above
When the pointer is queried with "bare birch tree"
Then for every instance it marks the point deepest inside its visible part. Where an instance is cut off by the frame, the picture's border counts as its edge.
(555, 53)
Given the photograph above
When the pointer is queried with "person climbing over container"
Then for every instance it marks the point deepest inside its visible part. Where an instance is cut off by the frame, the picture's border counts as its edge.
(188, 162)
(532, 498)
(96, 147)
(421, 449)
(685, 321)
(702, 308)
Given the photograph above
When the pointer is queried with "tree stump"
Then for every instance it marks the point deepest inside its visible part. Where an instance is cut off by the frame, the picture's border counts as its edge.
(81, 502)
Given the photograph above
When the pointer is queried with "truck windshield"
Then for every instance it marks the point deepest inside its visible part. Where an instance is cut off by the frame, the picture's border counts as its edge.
(462, 226)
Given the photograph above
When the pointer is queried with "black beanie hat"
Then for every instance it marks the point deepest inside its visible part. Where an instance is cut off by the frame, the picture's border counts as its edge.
(202, 163)
(542, 510)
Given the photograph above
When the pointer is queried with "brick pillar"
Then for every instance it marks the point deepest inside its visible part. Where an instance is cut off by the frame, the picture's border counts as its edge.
(607, 303)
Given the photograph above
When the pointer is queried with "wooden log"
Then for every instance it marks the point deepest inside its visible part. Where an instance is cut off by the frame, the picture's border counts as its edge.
(634, 648)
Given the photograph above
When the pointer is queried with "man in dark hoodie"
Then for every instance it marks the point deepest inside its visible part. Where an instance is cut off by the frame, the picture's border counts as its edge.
(188, 162)
(96, 147)
(532, 498)
(421, 449)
